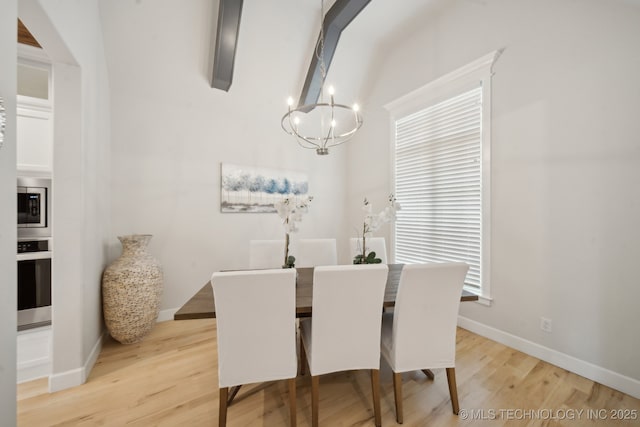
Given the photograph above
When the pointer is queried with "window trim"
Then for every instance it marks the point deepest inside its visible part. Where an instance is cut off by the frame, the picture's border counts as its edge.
(461, 79)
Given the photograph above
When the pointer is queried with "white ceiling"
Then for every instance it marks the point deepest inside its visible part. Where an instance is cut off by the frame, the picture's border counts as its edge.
(383, 20)
(380, 24)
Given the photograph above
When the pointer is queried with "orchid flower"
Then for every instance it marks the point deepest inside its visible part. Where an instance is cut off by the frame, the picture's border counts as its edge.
(372, 222)
(291, 209)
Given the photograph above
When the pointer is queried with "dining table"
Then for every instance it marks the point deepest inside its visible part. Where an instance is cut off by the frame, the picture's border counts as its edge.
(202, 304)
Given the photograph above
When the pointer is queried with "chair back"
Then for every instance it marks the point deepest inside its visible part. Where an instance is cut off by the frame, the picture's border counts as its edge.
(266, 254)
(347, 317)
(315, 252)
(375, 244)
(426, 314)
(256, 323)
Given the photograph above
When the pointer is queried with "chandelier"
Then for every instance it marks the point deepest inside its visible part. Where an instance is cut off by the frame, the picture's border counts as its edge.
(322, 125)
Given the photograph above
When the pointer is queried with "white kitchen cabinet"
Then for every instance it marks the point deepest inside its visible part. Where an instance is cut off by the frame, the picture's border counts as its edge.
(34, 136)
(33, 353)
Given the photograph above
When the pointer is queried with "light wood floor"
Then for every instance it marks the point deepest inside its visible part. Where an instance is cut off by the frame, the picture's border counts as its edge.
(170, 379)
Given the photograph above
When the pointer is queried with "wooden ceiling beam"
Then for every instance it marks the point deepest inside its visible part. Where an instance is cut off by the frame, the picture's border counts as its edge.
(25, 36)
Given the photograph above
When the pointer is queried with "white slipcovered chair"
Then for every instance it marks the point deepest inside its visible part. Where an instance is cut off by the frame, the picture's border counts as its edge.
(421, 332)
(315, 252)
(375, 244)
(266, 254)
(344, 331)
(256, 325)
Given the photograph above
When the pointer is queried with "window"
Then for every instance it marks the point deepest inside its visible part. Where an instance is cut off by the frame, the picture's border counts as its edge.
(34, 73)
(441, 173)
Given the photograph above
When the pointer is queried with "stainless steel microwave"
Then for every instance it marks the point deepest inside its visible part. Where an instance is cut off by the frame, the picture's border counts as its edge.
(34, 207)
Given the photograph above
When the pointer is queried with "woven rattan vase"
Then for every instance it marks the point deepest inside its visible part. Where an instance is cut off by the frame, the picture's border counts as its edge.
(131, 291)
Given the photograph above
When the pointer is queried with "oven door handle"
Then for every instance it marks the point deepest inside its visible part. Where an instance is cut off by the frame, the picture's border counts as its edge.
(26, 256)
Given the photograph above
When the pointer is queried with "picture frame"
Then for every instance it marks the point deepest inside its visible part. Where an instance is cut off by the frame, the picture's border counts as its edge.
(249, 189)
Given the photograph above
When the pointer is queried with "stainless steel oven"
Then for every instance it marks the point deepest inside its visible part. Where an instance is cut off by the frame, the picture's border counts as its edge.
(34, 283)
(34, 207)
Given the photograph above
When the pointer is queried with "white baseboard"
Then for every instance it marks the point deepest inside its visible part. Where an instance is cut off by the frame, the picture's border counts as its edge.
(67, 379)
(165, 315)
(76, 377)
(93, 356)
(617, 381)
(33, 369)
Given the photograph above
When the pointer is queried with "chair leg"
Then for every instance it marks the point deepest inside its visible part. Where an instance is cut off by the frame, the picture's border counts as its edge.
(375, 392)
(222, 412)
(397, 392)
(453, 390)
(292, 402)
(315, 386)
(428, 373)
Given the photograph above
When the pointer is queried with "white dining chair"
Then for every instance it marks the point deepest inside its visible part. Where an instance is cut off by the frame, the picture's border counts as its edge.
(315, 252)
(266, 254)
(344, 332)
(375, 244)
(256, 331)
(421, 332)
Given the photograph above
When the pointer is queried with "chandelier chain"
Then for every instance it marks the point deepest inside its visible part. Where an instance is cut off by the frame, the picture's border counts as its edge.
(319, 51)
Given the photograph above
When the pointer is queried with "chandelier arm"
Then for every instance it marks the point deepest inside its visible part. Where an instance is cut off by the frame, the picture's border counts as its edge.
(324, 140)
(312, 140)
(313, 147)
(342, 138)
(292, 124)
(292, 130)
(304, 108)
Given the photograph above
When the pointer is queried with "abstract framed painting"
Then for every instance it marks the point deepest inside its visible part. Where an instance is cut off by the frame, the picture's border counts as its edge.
(248, 189)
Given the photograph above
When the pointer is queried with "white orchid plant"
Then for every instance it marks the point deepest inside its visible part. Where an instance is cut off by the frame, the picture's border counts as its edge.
(290, 210)
(372, 222)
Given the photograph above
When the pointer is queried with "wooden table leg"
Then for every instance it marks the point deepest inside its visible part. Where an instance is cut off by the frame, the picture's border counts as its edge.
(428, 373)
(234, 391)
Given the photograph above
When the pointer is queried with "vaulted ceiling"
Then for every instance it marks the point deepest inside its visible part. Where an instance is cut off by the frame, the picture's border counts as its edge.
(335, 20)
(377, 25)
(364, 41)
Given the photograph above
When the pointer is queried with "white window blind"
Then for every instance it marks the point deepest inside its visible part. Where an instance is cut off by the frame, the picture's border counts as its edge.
(438, 182)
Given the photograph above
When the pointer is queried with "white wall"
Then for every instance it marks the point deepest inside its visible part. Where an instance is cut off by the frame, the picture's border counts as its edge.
(70, 32)
(8, 295)
(171, 131)
(565, 163)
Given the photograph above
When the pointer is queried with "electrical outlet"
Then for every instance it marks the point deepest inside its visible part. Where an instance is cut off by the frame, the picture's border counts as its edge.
(545, 324)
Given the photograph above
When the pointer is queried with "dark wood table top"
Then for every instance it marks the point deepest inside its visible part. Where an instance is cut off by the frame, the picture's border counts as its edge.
(202, 306)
